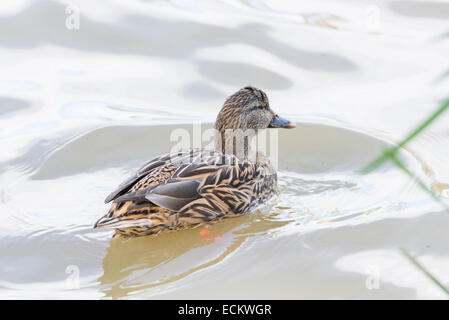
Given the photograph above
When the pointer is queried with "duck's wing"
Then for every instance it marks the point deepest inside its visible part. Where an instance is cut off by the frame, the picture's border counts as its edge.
(235, 187)
(212, 188)
(200, 184)
(151, 166)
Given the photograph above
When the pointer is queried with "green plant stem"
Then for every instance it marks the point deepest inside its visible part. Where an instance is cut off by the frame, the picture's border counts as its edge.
(392, 151)
(424, 270)
(423, 186)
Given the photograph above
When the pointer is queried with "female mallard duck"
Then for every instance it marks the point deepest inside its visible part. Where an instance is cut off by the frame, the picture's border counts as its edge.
(188, 188)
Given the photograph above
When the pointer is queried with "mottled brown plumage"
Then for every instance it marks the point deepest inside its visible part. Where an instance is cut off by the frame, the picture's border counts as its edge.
(189, 188)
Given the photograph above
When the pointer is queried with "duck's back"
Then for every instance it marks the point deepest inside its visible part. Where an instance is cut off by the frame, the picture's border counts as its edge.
(185, 189)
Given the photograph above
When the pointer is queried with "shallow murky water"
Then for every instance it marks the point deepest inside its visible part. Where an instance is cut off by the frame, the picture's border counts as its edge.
(80, 110)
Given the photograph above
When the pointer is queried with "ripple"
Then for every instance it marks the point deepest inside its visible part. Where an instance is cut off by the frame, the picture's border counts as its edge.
(40, 254)
(111, 111)
(260, 8)
(240, 74)
(18, 85)
(421, 9)
(12, 105)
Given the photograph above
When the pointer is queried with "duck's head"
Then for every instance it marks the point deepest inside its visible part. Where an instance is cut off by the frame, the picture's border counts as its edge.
(249, 108)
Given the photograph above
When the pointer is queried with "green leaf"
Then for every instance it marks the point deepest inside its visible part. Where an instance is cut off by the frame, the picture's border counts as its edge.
(392, 151)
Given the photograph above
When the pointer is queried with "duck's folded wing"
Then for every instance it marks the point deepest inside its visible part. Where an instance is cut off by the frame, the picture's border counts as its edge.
(174, 195)
(147, 168)
(128, 183)
(207, 191)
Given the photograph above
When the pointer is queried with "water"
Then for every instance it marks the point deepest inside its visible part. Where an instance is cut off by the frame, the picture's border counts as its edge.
(80, 110)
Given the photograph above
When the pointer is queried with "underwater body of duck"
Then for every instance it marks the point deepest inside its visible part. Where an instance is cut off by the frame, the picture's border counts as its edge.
(186, 189)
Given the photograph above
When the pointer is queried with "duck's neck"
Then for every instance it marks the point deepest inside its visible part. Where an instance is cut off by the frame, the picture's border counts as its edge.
(239, 143)
(236, 142)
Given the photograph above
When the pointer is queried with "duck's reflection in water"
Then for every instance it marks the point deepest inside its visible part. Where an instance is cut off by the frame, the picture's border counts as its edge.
(138, 264)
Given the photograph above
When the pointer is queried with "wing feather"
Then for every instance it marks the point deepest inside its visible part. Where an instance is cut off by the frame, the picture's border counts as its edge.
(174, 195)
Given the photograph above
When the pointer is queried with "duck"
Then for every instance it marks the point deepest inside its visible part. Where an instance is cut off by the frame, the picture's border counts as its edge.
(189, 188)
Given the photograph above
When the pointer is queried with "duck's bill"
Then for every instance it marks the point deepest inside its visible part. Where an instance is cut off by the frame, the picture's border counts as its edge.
(279, 122)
